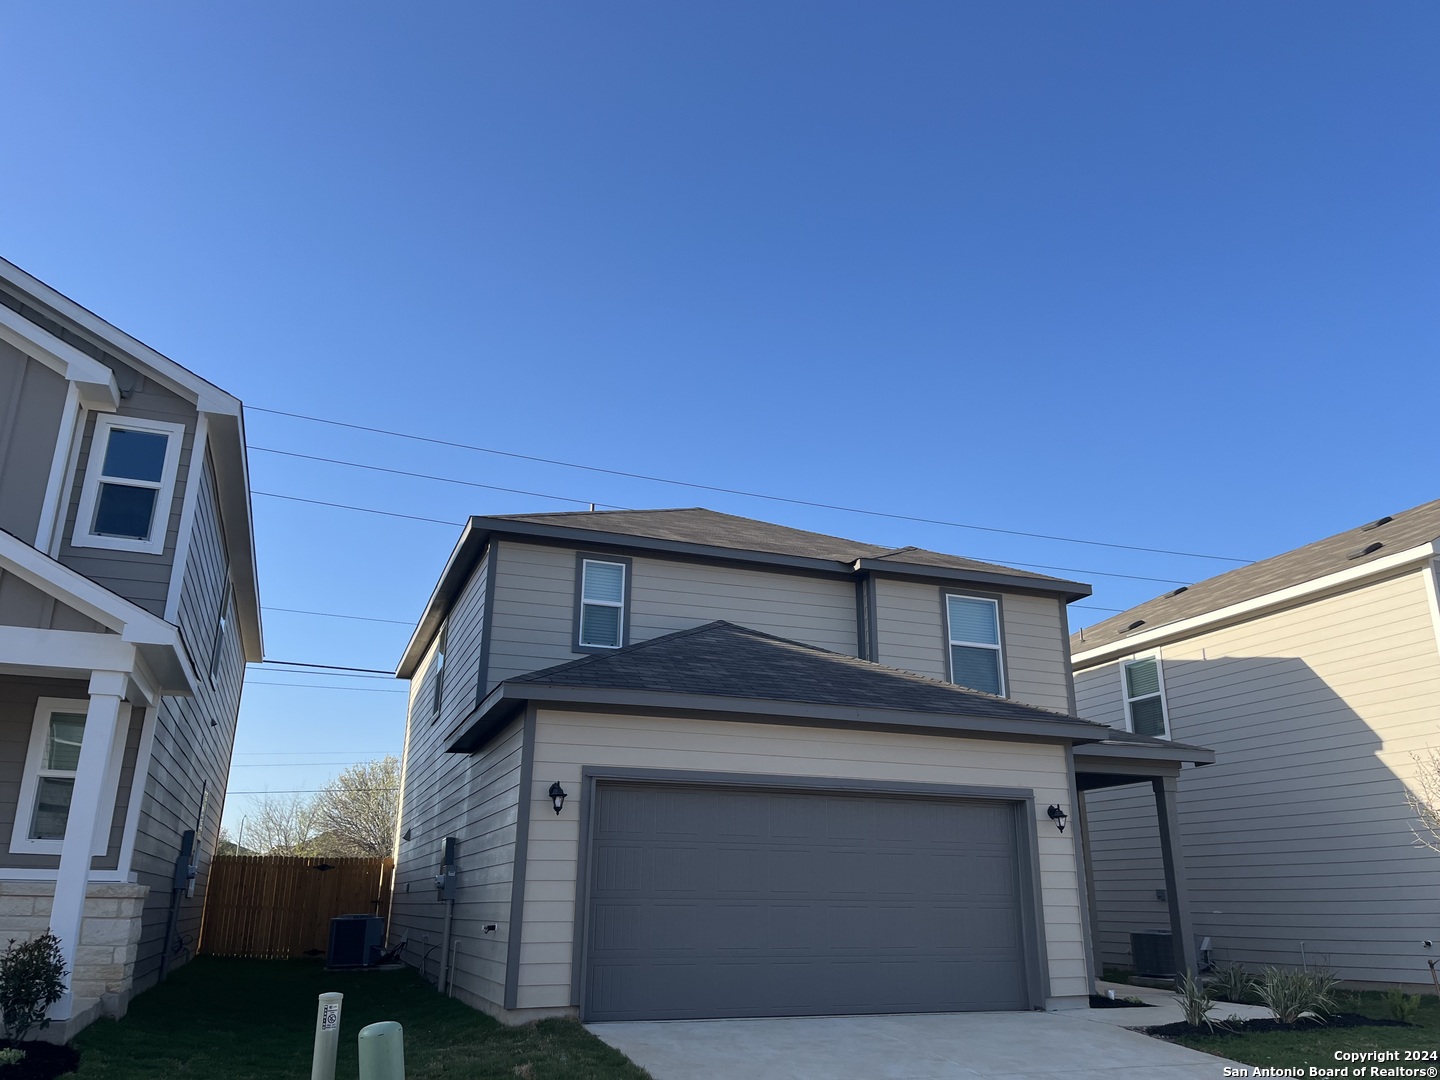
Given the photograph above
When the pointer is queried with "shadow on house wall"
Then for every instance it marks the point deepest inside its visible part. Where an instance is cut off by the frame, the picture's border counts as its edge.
(1298, 841)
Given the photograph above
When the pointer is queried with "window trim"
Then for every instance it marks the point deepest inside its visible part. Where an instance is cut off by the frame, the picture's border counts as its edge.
(81, 536)
(581, 558)
(1128, 700)
(223, 621)
(21, 842)
(992, 598)
(437, 665)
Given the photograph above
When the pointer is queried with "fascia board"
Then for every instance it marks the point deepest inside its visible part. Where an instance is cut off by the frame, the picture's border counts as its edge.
(178, 379)
(66, 650)
(232, 482)
(1193, 755)
(510, 695)
(1070, 590)
(96, 381)
(1260, 605)
(460, 565)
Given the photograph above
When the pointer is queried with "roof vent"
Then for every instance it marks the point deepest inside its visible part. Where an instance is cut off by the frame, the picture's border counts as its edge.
(1377, 523)
(1134, 625)
(1368, 549)
(1177, 592)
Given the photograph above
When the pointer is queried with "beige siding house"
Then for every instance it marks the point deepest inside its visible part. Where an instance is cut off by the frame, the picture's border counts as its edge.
(665, 764)
(1315, 677)
(128, 609)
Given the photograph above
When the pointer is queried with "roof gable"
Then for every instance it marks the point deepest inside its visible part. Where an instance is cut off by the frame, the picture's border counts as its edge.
(1365, 545)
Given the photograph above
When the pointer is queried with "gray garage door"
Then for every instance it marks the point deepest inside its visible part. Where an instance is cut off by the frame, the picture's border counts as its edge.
(710, 902)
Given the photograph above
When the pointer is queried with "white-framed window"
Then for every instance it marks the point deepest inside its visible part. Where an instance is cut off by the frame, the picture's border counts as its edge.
(600, 603)
(1143, 684)
(222, 630)
(43, 807)
(438, 698)
(976, 657)
(129, 482)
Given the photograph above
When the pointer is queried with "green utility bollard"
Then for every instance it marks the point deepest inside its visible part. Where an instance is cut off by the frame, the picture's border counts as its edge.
(382, 1051)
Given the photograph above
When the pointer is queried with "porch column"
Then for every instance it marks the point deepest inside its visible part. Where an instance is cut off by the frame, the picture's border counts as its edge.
(102, 721)
(1177, 889)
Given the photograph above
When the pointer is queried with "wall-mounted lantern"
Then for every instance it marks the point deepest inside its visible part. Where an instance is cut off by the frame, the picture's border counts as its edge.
(557, 796)
(1058, 816)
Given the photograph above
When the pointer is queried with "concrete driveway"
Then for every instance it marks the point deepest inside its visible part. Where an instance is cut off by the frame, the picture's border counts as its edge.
(952, 1046)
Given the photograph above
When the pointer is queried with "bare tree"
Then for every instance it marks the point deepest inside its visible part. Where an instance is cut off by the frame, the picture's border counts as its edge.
(283, 825)
(356, 812)
(1424, 799)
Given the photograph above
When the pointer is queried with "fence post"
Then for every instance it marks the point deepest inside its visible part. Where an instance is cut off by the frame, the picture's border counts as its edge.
(327, 1037)
(382, 1051)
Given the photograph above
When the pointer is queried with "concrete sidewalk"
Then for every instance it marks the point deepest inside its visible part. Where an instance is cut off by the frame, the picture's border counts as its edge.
(934, 1046)
(1166, 1010)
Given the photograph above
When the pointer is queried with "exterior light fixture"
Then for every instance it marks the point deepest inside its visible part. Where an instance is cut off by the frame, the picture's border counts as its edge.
(1058, 816)
(557, 796)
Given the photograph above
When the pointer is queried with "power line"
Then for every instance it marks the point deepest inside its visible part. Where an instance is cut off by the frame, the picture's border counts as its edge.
(729, 491)
(323, 686)
(301, 753)
(431, 476)
(292, 764)
(328, 667)
(305, 791)
(1000, 561)
(337, 615)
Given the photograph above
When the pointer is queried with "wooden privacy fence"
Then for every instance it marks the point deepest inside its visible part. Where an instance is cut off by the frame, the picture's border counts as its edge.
(278, 906)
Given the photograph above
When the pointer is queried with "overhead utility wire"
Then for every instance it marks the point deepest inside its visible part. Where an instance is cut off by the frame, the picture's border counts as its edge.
(461, 524)
(327, 667)
(325, 686)
(305, 791)
(736, 491)
(337, 615)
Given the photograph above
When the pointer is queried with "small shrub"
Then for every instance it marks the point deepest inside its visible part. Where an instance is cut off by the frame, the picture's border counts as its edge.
(1402, 1006)
(1233, 983)
(1195, 1001)
(1297, 995)
(32, 978)
(11, 1056)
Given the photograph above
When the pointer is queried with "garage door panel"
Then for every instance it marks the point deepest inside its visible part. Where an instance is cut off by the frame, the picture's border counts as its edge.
(831, 907)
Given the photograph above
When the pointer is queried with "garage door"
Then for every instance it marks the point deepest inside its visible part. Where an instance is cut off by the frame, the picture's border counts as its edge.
(710, 902)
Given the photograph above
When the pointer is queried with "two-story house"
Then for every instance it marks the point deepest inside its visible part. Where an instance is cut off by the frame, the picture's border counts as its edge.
(676, 763)
(1315, 677)
(128, 609)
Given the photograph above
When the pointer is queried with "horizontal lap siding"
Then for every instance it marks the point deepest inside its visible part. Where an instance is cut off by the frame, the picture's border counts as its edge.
(472, 797)
(911, 634)
(191, 751)
(32, 401)
(535, 601)
(567, 742)
(1300, 835)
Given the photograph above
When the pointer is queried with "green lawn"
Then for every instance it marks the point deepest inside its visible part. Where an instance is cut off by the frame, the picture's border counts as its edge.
(1317, 1047)
(255, 1020)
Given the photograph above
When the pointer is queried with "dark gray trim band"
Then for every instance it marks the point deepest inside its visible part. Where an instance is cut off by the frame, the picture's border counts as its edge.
(522, 857)
(862, 622)
(1069, 668)
(487, 627)
(872, 605)
(581, 557)
(1022, 801)
(1079, 832)
(472, 732)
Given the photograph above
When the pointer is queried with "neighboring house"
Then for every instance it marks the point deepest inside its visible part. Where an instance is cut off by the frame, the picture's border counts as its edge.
(128, 610)
(1315, 677)
(682, 764)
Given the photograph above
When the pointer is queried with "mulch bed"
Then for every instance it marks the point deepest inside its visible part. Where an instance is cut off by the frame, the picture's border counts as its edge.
(1254, 1027)
(1101, 1001)
(43, 1061)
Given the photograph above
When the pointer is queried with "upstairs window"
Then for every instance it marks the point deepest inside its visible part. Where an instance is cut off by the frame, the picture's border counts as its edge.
(602, 587)
(1145, 698)
(222, 630)
(438, 699)
(129, 481)
(976, 659)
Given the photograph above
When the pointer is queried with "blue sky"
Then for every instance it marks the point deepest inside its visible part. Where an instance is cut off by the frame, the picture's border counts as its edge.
(1151, 274)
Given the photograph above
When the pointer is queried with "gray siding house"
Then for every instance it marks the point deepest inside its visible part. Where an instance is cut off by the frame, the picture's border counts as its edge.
(1315, 677)
(682, 764)
(128, 609)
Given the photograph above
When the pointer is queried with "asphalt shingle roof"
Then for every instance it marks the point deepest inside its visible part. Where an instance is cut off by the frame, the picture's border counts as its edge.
(696, 525)
(724, 660)
(1343, 551)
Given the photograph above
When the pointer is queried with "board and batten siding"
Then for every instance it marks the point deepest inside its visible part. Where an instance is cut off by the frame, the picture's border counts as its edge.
(191, 746)
(22, 604)
(535, 599)
(1298, 841)
(566, 742)
(474, 798)
(140, 577)
(32, 403)
(911, 634)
